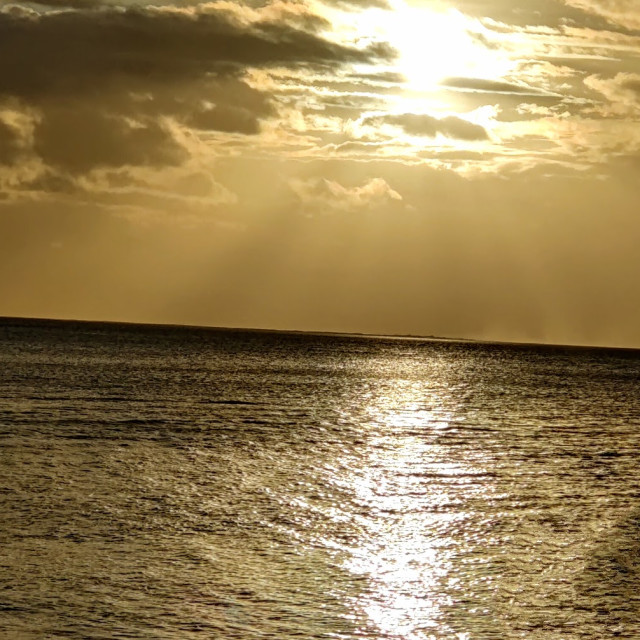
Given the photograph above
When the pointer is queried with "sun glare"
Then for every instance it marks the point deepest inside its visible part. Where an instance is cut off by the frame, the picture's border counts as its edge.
(432, 44)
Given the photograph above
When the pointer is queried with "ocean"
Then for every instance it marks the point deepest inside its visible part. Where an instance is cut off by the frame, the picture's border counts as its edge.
(184, 483)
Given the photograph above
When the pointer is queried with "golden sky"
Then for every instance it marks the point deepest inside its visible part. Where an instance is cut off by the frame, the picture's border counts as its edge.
(465, 168)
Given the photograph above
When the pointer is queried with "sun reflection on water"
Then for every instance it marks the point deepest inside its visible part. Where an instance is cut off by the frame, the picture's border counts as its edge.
(406, 488)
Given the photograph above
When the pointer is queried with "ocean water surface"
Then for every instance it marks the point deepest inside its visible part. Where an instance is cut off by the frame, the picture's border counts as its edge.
(181, 483)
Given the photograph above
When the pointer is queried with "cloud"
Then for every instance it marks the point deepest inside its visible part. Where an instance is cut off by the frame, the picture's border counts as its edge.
(226, 104)
(488, 86)
(150, 196)
(9, 144)
(74, 4)
(322, 196)
(425, 125)
(111, 85)
(125, 47)
(357, 148)
(358, 4)
(625, 13)
(147, 206)
(549, 13)
(622, 93)
(81, 140)
(381, 78)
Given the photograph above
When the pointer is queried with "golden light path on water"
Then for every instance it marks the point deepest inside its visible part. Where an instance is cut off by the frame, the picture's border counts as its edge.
(411, 493)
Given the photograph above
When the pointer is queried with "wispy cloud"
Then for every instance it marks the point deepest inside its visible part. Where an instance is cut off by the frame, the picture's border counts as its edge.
(420, 124)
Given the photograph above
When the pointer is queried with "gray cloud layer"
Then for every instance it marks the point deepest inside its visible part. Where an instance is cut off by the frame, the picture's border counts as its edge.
(425, 125)
(102, 79)
(129, 46)
(110, 141)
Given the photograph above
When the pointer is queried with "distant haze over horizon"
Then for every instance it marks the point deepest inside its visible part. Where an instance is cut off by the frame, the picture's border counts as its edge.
(448, 168)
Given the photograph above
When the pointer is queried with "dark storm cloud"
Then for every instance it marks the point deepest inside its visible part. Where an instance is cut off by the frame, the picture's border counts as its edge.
(425, 125)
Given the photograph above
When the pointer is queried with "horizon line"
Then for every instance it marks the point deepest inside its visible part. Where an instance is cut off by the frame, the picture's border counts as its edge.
(320, 332)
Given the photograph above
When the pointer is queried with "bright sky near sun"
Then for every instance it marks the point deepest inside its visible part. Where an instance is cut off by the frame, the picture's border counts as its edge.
(455, 167)
(432, 43)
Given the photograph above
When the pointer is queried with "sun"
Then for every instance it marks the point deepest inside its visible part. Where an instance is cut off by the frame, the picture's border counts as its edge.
(434, 45)
(433, 42)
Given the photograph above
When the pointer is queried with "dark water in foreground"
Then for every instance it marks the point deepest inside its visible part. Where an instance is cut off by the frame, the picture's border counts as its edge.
(173, 483)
